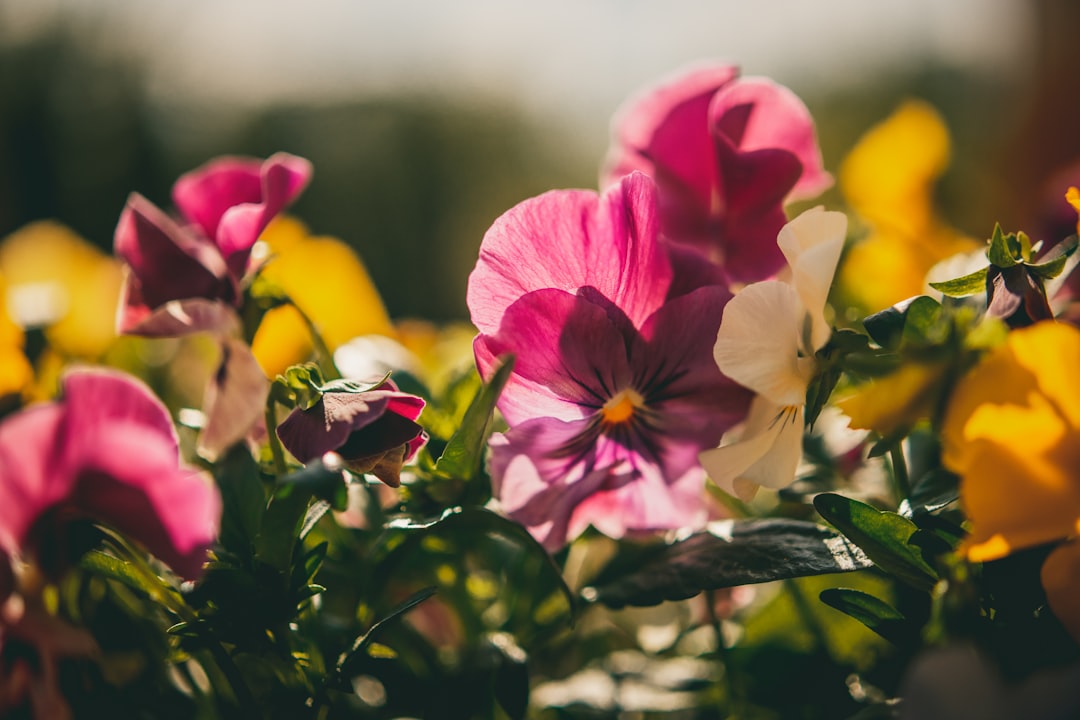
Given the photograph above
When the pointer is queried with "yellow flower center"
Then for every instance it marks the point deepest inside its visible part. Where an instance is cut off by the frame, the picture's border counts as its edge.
(620, 408)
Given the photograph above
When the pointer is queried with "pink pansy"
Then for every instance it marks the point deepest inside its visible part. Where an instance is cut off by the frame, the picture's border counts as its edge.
(374, 431)
(614, 391)
(224, 206)
(727, 153)
(107, 452)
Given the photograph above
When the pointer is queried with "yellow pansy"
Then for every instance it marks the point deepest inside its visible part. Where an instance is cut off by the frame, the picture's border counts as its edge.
(15, 371)
(59, 281)
(1012, 432)
(896, 401)
(888, 180)
(326, 280)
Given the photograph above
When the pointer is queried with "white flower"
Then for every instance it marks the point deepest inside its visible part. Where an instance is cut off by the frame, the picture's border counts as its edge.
(768, 337)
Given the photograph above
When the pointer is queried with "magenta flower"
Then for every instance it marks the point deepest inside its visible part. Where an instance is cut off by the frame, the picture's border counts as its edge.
(106, 452)
(614, 390)
(224, 206)
(727, 153)
(374, 431)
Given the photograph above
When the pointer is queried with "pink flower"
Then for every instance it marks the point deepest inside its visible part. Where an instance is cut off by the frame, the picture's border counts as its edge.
(373, 431)
(614, 390)
(727, 153)
(224, 206)
(106, 452)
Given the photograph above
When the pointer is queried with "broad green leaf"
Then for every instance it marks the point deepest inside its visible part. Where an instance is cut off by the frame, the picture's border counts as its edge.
(1003, 249)
(729, 553)
(319, 481)
(876, 614)
(883, 536)
(464, 453)
(970, 284)
(923, 323)
(243, 500)
(885, 326)
(1051, 264)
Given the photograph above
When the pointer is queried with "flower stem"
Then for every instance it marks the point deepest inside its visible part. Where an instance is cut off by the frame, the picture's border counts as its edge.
(731, 687)
(900, 473)
(280, 468)
(326, 358)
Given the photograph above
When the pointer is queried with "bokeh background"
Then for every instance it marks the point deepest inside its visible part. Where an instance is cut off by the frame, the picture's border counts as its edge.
(426, 120)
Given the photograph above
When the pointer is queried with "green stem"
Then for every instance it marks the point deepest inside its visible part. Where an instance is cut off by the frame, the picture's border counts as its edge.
(736, 702)
(900, 473)
(806, 614)
(326, 358)
(280, 468)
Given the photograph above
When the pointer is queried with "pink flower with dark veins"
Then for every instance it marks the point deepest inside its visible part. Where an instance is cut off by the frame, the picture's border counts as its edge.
(203, 255)
(614, 390)
(727, 153)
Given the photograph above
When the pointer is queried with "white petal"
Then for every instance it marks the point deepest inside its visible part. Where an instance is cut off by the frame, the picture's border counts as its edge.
(812, 244)
(767, 455)
(758, 342)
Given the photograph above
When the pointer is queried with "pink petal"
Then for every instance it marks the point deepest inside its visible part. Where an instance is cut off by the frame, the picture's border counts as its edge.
(569, 239)
(170, 263)
(234, 199)
(235, 399)
(95, 396)
(759, 114)
(29, 481)
(667, 128)
(570, 356)
(129, 479)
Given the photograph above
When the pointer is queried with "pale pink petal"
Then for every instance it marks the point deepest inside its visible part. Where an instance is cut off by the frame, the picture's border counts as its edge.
(569, 239)
(177, 318)
(812, 244)
(767, 454)
(759, 340)
(759, 114)
(564, 343)
(235, 399)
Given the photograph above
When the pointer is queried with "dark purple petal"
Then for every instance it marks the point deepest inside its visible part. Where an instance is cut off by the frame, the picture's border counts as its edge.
(570, 356)
(693, 402)
(168, 262)
(234, 401)
(569, 239)
(325, 426)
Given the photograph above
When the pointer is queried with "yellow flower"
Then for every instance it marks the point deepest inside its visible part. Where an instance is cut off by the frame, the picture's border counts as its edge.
(15, 371)
(57, 280)
(895, 401)
(326, 280)
(888, 180)
(1012, 432)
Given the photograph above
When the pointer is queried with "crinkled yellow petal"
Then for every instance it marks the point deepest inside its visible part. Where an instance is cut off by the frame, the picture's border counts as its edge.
(1012, 431)
(326, 280)
(58, 280)
(887, 177)
(1072, 195)
(895, 401)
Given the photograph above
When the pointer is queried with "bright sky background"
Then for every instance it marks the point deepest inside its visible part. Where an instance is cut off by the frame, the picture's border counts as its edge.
(572, 61)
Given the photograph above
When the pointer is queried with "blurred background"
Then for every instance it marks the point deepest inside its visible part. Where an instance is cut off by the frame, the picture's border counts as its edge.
(426, 120)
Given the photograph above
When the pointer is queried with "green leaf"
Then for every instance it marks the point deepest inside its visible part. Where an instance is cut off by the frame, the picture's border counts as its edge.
(347, 659)
(319, 481)
(464, 453)
(730, 553)
(1003, 249)
(243, 500)
(876, 614)
(883, 536)
(970, 284)
(511, 675)
(923, 323)
(885, 327)
(1053, 262)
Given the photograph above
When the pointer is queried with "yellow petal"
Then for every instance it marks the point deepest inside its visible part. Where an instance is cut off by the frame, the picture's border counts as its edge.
(326, 280)
(895, 401)
(1072, 195)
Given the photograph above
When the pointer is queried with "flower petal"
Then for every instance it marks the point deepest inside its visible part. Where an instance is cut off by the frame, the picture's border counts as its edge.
(759, 340)
(234, 401)
(234, 199)
(812, 244)
(169, 262)
(29, 481)
(570, 239)
(570, 355)
(759, 114)
(767, 454)
(177, 318)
